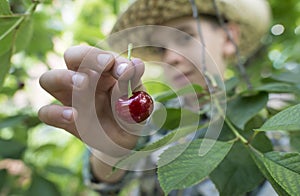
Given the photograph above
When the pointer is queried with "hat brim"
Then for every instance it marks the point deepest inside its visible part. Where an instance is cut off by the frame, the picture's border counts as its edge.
(253, 17)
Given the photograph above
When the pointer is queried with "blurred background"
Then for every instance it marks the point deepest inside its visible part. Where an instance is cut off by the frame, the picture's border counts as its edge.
(37, 159)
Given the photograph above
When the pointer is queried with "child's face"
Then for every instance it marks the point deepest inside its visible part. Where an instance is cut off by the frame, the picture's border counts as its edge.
(182, 53)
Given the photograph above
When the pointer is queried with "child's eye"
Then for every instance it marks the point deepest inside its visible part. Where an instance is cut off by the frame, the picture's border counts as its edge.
(159, 50)
(185, 39)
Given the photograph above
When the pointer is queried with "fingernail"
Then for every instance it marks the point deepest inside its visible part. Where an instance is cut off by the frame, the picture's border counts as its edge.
(121, 68)
(103, 59)
(67, 114)
(136, 61)
(77, 79)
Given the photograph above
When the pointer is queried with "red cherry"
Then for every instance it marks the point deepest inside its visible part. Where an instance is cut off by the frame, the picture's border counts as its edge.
(136, 108)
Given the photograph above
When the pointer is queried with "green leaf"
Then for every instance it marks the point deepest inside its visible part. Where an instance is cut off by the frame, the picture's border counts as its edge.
(189, 89)
(46, 147)
(5, 66)
(289, 160)
(172, 118)
(286, 120)
(259, 160)
(231, 84)
(260, 142)
(285, 169)
(3, 175)
(59, 170)
(287, 77)
(5, 8)
(277, 88)
(8, 25)
(11, 149)
(42, 186)
(237, 174)
(189, 168)
(23, 35)
(241, 109)
(6, 44)
(295, 140)
(42, 33)
(157, 145)
(12, 121)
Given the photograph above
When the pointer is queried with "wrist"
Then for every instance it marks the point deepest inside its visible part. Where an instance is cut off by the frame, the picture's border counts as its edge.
(105, 158)
(102, 167)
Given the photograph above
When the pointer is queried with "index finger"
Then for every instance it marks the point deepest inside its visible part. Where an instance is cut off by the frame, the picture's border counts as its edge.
(87, 57)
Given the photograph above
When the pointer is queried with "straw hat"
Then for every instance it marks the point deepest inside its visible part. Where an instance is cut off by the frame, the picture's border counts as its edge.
(253, 16)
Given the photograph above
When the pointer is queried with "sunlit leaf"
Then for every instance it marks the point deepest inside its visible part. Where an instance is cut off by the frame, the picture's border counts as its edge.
(285, 169)
(23, 35)
(259, 160)
(6, 43)
(45, 148)
(189, 89)
(42, 36)
(189, 168)
(5, 65)
(173, 118)
(286, 120)
(4, 8)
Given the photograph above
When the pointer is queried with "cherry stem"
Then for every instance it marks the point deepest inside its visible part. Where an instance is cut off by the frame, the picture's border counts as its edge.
(129, 93)
(129, 51)
(129, 89)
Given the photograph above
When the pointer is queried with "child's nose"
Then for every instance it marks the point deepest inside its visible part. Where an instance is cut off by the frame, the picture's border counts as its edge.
(172, 57)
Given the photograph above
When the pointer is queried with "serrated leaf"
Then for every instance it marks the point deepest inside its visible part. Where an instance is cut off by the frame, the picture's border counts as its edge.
(159, 144)
(289, 160)
(189, 89)
(5, 8)
(242, 109)
(189, 168)
(259, 160)
(286, 120)
(237, 174)
(277, 88)
(284, 168)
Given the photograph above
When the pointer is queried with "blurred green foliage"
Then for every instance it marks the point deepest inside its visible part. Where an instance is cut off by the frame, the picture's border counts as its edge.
(32, 33)
(29, 32)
